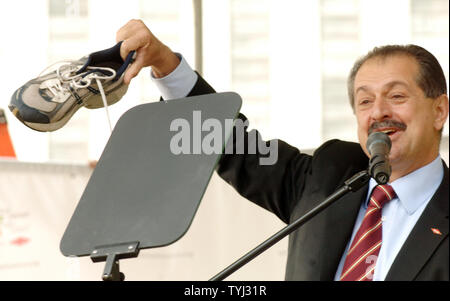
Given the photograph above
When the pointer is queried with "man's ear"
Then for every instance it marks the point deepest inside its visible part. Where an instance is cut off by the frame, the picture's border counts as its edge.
(440, 108)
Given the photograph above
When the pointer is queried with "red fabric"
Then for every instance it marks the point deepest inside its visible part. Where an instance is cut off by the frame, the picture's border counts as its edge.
(363, 253)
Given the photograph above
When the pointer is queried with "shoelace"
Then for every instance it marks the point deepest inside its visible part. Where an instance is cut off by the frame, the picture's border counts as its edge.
(67, 77)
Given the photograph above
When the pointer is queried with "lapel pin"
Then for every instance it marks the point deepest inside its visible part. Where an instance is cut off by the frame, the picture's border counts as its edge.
(436, 231)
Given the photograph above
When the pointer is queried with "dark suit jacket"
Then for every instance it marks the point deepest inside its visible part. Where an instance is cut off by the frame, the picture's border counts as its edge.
(298, 182)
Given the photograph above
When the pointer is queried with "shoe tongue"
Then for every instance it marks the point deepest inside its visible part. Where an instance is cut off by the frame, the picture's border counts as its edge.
(108, 58)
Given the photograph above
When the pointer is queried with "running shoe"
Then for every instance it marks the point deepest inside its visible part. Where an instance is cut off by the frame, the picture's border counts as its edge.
(47, 102)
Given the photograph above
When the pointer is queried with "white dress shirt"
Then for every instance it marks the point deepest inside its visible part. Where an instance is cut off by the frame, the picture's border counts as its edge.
(178, 83)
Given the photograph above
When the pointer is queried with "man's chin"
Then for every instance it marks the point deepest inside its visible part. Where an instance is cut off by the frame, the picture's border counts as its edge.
(398, 161)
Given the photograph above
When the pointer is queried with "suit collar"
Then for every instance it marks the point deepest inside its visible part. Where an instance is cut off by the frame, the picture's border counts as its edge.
(422, 242)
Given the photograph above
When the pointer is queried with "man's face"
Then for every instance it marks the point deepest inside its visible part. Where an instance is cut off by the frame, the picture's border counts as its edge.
(388, 99)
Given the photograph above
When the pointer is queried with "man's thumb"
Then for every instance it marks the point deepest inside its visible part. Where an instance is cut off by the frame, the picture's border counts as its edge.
(132, 71)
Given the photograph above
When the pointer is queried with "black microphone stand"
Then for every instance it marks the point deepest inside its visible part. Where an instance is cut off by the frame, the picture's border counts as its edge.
(353, 184)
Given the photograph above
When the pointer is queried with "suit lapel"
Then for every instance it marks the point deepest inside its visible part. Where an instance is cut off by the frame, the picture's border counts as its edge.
(422, 242)
(340, 219)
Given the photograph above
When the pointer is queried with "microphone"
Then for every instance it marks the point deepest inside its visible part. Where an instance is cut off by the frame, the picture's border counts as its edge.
(379, 145)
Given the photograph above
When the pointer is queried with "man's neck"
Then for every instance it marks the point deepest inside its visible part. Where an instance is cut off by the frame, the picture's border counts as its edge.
(400, 170)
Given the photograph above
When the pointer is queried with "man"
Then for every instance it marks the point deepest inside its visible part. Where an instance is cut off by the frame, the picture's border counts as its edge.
(391, 232)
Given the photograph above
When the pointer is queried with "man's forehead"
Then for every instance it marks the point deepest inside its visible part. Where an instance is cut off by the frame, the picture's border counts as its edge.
(385, 85)
(387, 72)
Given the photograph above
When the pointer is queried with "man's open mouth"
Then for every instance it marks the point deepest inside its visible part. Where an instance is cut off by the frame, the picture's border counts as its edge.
(388, 132)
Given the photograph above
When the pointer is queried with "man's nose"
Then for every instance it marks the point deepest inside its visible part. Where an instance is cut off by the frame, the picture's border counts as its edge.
(381, 109)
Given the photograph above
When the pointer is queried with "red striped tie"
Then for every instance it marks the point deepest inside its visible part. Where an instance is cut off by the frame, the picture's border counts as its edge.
(363, 253)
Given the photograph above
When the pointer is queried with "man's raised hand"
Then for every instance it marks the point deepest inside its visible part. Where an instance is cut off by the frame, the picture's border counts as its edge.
(150, 52)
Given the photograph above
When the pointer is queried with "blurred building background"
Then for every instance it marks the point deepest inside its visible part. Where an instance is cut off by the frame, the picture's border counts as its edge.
(287, 59)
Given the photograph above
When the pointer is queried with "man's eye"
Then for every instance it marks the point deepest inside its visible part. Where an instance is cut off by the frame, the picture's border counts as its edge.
(397, 96)
(364, 101)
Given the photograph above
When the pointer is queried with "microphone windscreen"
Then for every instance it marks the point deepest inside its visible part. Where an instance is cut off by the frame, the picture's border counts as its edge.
(378, 137)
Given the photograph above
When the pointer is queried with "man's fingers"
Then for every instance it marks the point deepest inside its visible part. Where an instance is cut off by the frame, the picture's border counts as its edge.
(137, 37)
(127, 30)
(134, 69)
(131, 73)
(134, 43)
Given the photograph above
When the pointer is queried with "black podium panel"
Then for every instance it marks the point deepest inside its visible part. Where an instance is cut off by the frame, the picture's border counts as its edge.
(140, 190)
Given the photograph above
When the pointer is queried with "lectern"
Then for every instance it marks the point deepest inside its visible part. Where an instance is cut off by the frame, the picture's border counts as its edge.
(150, 178)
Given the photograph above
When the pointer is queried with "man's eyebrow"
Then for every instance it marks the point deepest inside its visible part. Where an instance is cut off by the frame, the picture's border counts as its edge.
(395, 83)
(362, 88)
(389, 85)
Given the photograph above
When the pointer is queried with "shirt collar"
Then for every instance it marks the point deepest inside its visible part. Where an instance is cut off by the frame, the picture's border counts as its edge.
(415, 188)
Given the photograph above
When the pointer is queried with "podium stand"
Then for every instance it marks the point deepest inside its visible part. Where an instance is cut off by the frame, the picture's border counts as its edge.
(143, 192)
